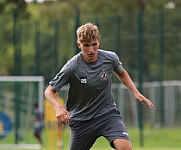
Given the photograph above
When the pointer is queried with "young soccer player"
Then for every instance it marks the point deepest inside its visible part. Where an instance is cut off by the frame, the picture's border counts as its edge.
(90, 108)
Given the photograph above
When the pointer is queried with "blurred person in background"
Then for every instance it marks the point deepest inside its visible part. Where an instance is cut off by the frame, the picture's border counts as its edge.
(38, 123)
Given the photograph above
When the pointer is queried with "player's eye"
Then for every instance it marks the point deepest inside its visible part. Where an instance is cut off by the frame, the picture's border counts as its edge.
(86, 45)
(95, 44)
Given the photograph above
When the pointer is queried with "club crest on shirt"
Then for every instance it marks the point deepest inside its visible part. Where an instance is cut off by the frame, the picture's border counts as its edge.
(104, 75)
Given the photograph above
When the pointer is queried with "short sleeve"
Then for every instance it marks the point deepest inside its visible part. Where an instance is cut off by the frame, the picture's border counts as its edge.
(117, 64)
(61, 78)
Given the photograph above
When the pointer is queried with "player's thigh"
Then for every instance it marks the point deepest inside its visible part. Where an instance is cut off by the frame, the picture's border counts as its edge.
(82, 143)
(122, 144)
(114, 129)
(82, 135)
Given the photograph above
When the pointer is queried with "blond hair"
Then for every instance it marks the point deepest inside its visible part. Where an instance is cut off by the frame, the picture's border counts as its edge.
(88, 33)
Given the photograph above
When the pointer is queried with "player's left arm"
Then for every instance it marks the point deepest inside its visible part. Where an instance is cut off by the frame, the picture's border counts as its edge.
(127, 81)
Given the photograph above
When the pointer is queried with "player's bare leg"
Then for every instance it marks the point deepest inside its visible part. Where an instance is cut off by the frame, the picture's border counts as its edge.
(122, 144)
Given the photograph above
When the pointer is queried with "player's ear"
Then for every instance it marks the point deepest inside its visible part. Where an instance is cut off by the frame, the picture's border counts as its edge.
(78, 44)
(99, 40)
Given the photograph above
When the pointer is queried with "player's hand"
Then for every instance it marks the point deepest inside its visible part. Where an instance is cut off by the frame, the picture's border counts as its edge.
(143, 100)
(62, 115)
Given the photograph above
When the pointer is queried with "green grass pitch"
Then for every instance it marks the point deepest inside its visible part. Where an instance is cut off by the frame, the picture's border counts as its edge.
(154, 139)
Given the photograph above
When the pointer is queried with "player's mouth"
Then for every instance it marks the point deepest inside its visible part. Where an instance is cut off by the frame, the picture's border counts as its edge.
(91, 55)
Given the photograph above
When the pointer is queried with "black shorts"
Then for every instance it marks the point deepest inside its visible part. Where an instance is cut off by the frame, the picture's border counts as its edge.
(84, 133)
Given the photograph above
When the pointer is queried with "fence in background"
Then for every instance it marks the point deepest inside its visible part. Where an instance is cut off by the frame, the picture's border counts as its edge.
(30, 47)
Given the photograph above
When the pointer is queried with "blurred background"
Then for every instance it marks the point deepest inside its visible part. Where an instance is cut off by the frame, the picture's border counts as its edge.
(37, 37)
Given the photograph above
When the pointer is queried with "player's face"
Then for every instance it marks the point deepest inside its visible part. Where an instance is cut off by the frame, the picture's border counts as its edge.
(89, 50)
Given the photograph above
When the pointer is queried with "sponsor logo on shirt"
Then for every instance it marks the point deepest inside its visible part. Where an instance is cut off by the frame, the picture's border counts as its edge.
(83, 80)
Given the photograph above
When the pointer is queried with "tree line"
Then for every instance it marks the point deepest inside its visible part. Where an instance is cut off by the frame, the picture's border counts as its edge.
(40, 37)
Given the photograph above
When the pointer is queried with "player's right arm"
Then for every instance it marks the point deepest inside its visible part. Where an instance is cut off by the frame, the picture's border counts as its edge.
(61, 113)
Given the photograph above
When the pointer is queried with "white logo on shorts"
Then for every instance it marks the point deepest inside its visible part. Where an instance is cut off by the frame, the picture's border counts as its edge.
(125, 133)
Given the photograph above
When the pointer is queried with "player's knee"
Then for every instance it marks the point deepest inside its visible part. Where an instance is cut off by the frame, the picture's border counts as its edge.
(127, 148)
(124, 147)
(121, 144)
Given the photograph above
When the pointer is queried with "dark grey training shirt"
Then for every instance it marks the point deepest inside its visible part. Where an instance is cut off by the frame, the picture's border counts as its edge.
(90, 93)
